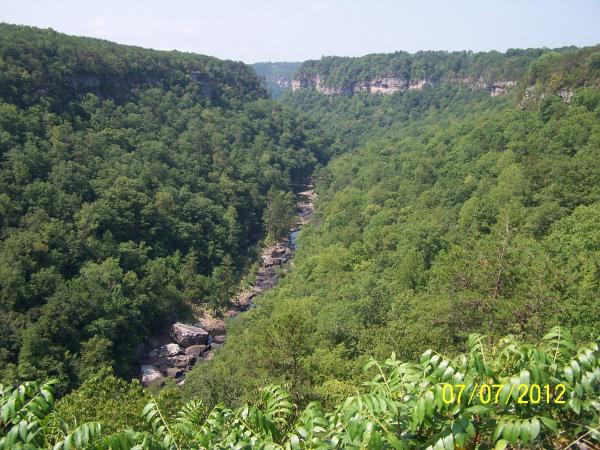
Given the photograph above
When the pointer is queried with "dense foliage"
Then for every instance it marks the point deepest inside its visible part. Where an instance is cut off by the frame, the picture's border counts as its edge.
(405, 405)
(435, 66)
(355, 120)
(567, 69)
(116, 213)
(43, 64)
(472, 217)
(447, 219)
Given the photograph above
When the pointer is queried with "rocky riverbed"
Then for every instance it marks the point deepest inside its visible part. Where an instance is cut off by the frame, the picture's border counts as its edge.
(187, 344)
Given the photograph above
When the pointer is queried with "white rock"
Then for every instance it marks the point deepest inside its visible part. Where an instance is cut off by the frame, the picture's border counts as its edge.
(187, 335)
(150, 374)
(169, 350)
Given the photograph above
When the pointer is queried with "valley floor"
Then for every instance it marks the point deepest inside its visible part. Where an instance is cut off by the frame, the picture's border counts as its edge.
(200, 341)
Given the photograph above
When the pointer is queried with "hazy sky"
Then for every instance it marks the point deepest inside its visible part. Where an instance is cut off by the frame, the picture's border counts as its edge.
(282, 30)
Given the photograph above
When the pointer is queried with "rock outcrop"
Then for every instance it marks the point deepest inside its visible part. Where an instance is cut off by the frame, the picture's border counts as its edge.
(385, 85)
(206, 83)
(495, 88)
(187, 335)
(150, 374)
(391, 84)
(169, 350)
(196, 350)
(173, 360)
(284, 83)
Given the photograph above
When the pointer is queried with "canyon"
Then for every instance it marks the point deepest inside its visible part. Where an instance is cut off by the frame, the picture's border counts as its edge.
(174, 354)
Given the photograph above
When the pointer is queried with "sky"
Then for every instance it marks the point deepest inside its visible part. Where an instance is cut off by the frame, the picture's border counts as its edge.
(283, 30)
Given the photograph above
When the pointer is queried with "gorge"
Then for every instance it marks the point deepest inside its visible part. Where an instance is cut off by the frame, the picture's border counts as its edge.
(197, 343)
(150, 212)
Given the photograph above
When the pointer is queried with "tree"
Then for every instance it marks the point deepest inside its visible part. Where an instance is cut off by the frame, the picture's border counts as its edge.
(279, 214)
(510, 393)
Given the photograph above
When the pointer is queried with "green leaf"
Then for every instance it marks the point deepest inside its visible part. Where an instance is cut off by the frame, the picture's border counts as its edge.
(498, 430)
(549, 423)
(534, 429)
(511, 431)
(575, 405)
(501, 444)
(478, 409)
(576, 369)
(569, 374)
(524, 434)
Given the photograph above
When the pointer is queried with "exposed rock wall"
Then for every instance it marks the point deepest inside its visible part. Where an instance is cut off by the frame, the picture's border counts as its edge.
(117, 87)
(392, 84)
(284, 83)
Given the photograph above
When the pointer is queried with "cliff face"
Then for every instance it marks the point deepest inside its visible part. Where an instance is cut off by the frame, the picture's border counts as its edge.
(118, 87)
(392, 84)
(386, 73)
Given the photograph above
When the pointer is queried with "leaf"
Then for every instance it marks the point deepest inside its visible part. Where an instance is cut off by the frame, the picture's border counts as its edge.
(534, 429)
(501, 444)
(478, 409)
(511, 431)
(576, 369)
(426, 357)
(498, 430)
(575, 405)
(549, 423)
(569, 374)
(524, 434)
(394, 441)
(419, 411)
(449, 442)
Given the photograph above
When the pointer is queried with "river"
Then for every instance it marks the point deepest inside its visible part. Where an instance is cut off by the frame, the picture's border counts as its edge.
(200, 341)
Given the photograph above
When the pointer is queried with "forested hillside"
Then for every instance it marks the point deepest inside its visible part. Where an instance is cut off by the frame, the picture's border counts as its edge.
(494, 72)
(457, 213)
(339, 71)
(43, 64)
(127, 191)
(456, 243)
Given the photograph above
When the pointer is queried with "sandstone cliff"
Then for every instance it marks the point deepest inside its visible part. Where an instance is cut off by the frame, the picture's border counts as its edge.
(392, 84)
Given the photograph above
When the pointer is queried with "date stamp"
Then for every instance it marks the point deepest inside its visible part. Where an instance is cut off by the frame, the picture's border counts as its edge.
(522, 394)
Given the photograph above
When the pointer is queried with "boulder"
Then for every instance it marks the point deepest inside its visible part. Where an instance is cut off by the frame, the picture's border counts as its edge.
(278, 261)
(164, 363)
(185, 361)
(195, 350)
(150, 374)
(219, 339)
(211, 324)
(187, 335)
(231, 313)
(181, 361)
(267, 260)
(169, 350)
(244, 298)
(175, 372)
(278, 250)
